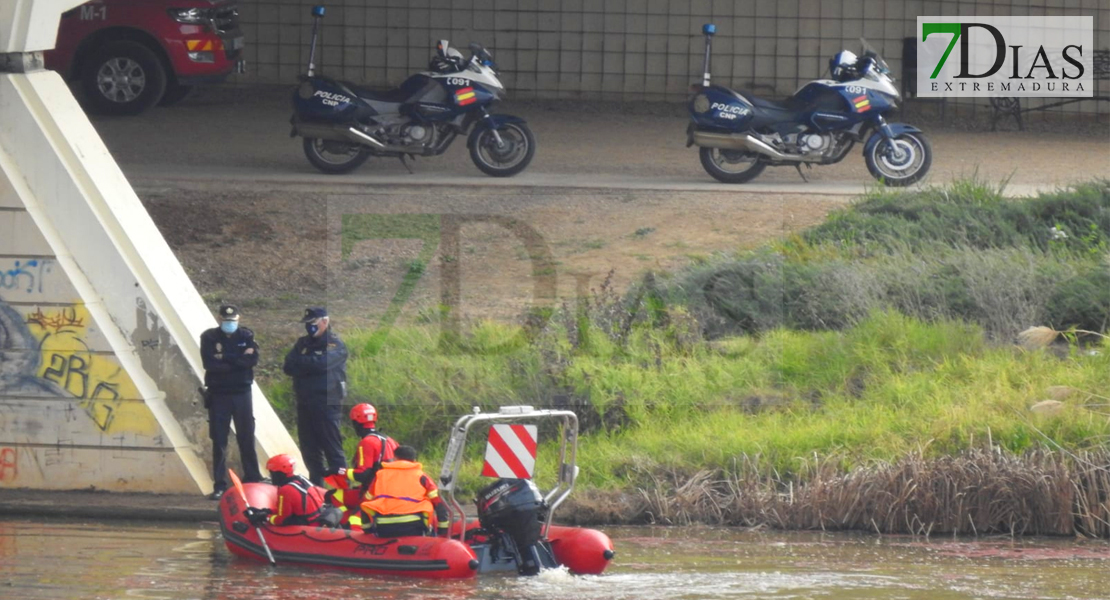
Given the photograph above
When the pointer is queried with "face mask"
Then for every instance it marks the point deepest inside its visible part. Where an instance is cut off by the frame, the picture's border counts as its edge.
(311, 328)
(229, 327)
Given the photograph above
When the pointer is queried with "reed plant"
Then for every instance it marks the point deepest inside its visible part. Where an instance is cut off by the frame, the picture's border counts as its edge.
(982, 491)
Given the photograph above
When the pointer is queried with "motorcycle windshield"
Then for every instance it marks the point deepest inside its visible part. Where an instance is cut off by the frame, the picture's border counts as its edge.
(484, 56)
(869, 50)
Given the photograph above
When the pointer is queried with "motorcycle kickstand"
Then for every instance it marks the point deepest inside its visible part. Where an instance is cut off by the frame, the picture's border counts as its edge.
(405, 163)
(798, 166)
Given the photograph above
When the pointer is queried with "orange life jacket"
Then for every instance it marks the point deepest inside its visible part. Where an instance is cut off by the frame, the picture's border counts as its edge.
(398, 489)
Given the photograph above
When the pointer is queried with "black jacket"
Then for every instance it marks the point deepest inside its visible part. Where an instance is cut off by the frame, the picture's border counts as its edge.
(227, 367)
(318, 366)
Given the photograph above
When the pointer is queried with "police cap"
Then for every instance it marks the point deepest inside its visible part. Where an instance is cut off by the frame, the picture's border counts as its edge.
(313, 313)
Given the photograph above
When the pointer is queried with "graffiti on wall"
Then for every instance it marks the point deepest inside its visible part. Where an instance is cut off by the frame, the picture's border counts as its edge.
(94, 377)
(46, 353)
(20, 361)
(26, 275)
(9, 465)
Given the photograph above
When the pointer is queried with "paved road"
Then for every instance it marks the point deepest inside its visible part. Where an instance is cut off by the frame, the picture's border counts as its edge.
(241, 135)
(260, 178)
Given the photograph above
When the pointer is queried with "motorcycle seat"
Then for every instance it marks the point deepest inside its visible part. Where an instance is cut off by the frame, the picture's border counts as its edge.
(393, 96)
(766, 104)
(758, 102)
(769, 114)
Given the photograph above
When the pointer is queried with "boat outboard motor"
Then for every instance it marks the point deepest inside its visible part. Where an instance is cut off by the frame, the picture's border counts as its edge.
(516, 509)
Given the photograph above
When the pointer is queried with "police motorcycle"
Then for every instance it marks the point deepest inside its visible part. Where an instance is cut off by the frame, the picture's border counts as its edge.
(738, 134)
(344, 124)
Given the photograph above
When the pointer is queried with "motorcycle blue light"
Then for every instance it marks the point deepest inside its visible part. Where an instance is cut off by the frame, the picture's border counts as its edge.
(709, 29)
(318, 10)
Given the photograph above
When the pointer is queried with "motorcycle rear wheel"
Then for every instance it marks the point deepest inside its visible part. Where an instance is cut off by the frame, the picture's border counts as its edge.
(731, 166)
(334, 158)
(519, 146)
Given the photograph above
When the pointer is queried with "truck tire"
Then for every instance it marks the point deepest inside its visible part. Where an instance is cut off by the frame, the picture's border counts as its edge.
(122, 78)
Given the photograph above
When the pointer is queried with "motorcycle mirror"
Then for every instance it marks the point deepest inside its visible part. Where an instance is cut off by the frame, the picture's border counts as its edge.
(709, 29)
(318, 10)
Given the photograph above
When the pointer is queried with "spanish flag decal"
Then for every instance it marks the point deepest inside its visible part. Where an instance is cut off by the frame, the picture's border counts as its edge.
(861, 103)
(465, 96)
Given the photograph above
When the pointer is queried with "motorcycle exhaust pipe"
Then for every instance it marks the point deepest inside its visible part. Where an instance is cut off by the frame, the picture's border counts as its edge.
(335, 133)
(365, 138)
(736, 141)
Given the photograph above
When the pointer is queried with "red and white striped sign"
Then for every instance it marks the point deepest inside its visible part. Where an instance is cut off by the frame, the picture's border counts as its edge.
(511, 452)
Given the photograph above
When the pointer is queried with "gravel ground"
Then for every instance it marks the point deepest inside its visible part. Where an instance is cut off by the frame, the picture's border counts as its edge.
(274, 252)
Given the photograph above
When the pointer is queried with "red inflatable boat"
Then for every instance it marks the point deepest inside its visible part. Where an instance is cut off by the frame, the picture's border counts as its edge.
(513, 531)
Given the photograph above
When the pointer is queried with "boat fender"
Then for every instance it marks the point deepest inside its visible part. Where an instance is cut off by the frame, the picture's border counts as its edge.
(406, 550)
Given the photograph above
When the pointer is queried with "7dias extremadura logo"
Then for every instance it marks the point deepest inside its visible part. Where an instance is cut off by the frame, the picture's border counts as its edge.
(1026, 57)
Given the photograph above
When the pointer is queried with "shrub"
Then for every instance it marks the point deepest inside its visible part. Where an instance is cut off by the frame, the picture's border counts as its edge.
(962, 251)
(1082, 301)
(1004, 290)
(972, 215)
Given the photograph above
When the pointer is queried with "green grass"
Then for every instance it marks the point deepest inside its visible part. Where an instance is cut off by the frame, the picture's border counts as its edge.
(889, 386)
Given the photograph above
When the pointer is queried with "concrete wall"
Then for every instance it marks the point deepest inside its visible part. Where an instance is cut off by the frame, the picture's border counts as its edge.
(70, 414)
(626, 50)
(80, 409)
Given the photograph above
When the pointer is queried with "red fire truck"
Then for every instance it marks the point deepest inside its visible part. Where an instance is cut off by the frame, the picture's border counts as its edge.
(129, 55)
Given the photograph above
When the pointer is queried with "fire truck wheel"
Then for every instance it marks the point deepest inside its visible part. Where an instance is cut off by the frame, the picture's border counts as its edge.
(123, 78)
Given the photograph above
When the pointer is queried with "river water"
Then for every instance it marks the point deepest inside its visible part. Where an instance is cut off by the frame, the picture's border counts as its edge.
(73, 559)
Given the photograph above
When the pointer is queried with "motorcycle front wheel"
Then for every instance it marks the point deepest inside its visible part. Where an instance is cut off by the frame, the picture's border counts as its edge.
(504, 159)
(333, 157)
(731, 166)
(902, 161)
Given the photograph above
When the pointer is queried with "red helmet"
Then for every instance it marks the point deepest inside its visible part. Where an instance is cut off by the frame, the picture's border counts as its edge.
(281, 463)
(364, 414)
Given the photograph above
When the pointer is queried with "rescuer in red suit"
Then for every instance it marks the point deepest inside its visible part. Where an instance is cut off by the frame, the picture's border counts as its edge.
(299, 502)
(374, 448)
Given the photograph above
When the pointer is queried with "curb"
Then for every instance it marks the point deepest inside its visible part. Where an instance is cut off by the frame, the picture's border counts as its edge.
(107, 506)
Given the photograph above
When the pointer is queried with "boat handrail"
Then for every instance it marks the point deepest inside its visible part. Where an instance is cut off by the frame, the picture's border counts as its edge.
(452, 460)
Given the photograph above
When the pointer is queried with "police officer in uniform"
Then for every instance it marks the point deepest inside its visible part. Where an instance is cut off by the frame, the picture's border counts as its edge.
(229, 354)
(318, 365)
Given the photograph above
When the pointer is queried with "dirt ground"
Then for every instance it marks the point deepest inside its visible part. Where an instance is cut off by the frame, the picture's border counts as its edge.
(274, 252)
